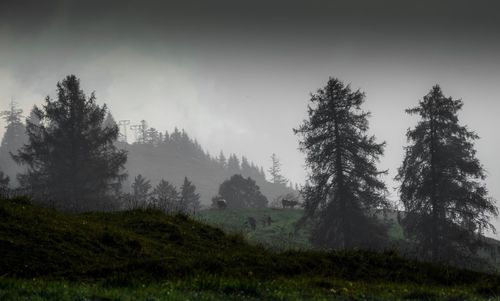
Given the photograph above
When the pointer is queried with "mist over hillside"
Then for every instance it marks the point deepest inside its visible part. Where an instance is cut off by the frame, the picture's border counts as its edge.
(158, 156)
(174, 156)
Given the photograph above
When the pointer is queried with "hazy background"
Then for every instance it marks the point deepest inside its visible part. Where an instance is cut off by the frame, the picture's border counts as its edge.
(237, 75)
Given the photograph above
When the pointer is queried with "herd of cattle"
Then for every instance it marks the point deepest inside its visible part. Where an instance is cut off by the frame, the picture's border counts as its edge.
(222, 204)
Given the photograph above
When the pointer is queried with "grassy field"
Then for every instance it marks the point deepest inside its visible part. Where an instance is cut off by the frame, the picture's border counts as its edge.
(146, 255)
(281, 233)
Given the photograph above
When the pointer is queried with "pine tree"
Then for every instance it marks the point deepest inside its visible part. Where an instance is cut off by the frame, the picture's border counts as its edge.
(14, 138)
(165, 197)
(109, 122)
(275, 171)
(71, 158)
(344, 184)
(233, 165)
(4, 182)
(441, 183)
(222, 160)
(189, 199)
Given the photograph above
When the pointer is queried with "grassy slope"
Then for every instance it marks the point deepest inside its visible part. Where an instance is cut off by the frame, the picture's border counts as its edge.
(280, 234)
(148, 254)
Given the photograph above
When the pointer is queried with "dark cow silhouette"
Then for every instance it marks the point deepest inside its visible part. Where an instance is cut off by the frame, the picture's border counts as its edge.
(267, 221)
(289, 204)
(221, 204)
(252, 223)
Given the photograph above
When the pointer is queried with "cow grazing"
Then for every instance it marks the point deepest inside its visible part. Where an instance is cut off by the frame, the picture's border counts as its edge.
(221, 204)
(289, 204)
(252, 223)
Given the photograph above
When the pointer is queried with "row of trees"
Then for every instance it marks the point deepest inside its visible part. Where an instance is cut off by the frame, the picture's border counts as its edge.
(69, 155)
(164, 196)
(442, 189)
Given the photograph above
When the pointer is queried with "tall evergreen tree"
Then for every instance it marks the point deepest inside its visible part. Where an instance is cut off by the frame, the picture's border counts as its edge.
(141, 188)
(233, 165)
(344, 186)
(441, 182)
(4, 182)
(189, 199)
(275, 171)
(14, 138)
(222, 160)
(165, 197)
(71, 157)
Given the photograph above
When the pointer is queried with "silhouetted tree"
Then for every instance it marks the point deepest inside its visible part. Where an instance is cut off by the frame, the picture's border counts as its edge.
(189, 199)
(141, 187)
(222, 160)
(165, 197)
(233, 165)
(71, 157)
(4, 182)
(109, 122)
(275, 171)
(441, 182)
(344, 184)
(242, 193)
(14, 138)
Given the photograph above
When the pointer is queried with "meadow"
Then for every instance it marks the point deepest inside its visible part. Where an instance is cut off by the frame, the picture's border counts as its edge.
(147, 255)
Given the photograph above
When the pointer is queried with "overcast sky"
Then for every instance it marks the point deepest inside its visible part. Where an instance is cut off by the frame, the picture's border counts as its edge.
(237, 75)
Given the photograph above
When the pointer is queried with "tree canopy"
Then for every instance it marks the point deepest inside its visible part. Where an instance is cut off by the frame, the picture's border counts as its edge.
(242, 193)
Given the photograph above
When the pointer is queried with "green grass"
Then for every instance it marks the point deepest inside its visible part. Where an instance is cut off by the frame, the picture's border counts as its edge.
(147, 255)
(279, 235)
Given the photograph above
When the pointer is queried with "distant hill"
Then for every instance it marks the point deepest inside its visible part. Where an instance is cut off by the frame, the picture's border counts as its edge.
(174, 156)
(165, 156)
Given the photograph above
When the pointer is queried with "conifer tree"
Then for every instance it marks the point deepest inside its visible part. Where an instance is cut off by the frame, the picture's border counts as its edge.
(233, 165)
(345, 185)
(189, 199)
(222, 160)
(165, 197)
(13, 139)
(4, 182)
(275, 171)
(71, 158)
(442, 185)
(141, 188)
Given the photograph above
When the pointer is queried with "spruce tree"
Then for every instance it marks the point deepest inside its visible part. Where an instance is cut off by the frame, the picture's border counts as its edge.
(70, 156)
(165, 197)
(4, 183)
(13, 139)
(275, 171)
(141, 189)
(233, 165)
(442, 183)
(344, 184)
(189, 199)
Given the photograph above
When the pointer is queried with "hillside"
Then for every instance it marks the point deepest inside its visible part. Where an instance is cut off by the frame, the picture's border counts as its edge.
(146, 253)
(280, 233)
(162, 156)
(173, 158)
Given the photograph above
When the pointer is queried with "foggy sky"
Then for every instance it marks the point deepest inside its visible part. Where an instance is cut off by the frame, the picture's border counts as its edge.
(237, 75)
